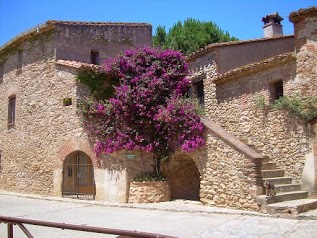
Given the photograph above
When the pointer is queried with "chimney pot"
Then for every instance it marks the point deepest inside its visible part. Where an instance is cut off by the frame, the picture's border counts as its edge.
(272, 25)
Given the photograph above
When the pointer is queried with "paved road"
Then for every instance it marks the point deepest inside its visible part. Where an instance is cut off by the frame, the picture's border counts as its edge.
(179, 224)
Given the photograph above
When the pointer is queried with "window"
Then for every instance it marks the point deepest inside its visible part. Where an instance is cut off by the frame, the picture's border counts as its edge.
(94, 57)
(199, 92)
(1, 73)
(67, 102)
(20, 61)
(11, 111)
(276, 90)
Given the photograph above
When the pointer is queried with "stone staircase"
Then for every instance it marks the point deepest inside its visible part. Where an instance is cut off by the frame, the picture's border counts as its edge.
(289, 199)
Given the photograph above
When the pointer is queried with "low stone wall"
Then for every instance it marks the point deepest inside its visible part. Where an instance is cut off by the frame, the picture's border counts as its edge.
(232, 177)
(149, 192)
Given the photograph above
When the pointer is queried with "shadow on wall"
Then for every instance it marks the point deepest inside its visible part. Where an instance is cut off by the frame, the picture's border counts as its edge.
(184, 178)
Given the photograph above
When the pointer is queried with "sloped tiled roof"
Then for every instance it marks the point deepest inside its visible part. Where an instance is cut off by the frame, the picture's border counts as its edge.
(76, 64)
(211, 47)
(301, 13)
(256, 67)
(98, 23)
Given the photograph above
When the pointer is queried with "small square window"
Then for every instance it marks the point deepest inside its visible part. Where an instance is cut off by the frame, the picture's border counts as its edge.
(94, 57)
(67, 102)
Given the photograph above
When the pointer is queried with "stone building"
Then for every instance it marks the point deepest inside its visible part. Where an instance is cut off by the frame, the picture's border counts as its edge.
(44, 149)
(248, 142)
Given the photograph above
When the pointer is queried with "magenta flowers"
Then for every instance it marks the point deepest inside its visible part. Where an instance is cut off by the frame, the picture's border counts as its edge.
(148, 110)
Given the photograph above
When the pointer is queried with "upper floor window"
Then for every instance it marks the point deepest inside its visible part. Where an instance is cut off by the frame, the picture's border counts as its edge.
(1, 73)
(20, 61)
(94, 57)
(199, 92)
(277, 90)
(11, 111)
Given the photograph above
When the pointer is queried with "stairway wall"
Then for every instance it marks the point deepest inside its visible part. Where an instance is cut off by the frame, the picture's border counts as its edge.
(233, 104)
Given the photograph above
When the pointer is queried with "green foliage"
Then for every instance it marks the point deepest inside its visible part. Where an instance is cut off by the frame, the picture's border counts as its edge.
(190, 36)
(259, 101)
(160, 36)
(101, 86)
(149, 177)
(303, 107)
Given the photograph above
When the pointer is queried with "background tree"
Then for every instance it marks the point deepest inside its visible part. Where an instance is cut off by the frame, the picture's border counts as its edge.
(160, 36)
(148, 110)
(190, 36)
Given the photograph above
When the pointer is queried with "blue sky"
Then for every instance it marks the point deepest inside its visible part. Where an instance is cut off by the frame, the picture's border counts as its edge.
(241, 19)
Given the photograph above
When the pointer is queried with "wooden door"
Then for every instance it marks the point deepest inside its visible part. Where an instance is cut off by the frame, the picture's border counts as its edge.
(78, 176)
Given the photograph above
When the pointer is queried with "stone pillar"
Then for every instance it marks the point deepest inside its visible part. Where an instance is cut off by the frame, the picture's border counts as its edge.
(305, 34)
(314, 192)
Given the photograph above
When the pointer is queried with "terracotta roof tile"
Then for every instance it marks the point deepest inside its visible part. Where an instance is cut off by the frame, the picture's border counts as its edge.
(76, 64)
(256, 67)
(304, 12)
(211, 47)
(98, 23)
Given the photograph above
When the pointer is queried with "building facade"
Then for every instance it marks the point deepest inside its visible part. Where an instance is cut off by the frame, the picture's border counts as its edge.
(241, 80)
(44, 148)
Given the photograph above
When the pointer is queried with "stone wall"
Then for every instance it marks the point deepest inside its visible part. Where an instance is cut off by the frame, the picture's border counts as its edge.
(233, 56)
(46, 131)
(184, 176)
(75, 41)
(227, 180)
(230, 55)
(306, 55)
(285, 139)
(119, 170)
(29, 148)
(149, 192)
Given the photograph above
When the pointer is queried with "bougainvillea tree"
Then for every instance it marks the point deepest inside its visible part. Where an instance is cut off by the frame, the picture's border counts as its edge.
(148, 110)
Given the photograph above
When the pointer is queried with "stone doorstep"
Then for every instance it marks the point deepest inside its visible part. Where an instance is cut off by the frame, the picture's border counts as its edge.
(282, 188)
(292, 207)
(281, 197)
(273, 173)
(269, 166)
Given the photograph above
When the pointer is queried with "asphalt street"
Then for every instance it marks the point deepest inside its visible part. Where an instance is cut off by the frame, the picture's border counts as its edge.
(184, 220)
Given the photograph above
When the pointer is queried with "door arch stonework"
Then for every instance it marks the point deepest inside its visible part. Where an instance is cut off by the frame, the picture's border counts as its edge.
(78, 176)
(67, 148)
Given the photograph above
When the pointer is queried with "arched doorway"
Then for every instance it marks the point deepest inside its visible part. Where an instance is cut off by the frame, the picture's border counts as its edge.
(78, 176)
(184, 179)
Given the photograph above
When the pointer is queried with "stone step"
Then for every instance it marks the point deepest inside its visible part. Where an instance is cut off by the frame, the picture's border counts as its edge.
(279, 180)
(281, 197)
(268, 166)
(273, 173)
(282, 188)
(292, 207)
(266, 159)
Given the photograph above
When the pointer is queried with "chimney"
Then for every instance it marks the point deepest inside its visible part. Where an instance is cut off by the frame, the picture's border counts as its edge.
(272, 25)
